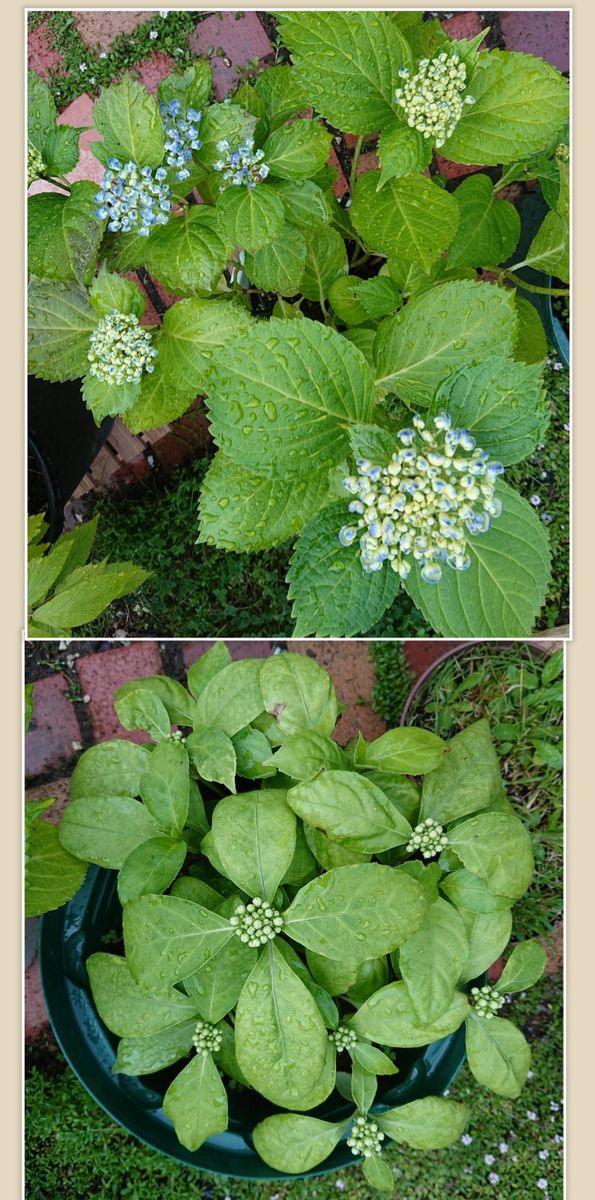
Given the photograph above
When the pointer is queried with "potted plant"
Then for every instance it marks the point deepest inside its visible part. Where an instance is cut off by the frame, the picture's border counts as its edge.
(370, 331)
(289, 938)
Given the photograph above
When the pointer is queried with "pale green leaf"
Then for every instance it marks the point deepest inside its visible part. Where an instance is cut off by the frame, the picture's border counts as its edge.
(304, 755)
(498, 848)
(550, 249)
(351, 811)
(128, 119)
(150, 868)
(165, 786)
(232, 698)
(410, 218)
(145, 1055)
(254, 835)
(282, 92)
(188, 254)
(167, 939)
(498, 1055)
(64, 234)
(326, 260)
(109, 291)
(196, 1102)
(489, 228)
(298, 693)
(294, 1143)
(105, 829)
(454, 325)
(52, 874)
(489, 934)
(469, 892)
(524, 967)
(331, 854)
(405, 752)
(427, 1124)
(279, 266)
(250, 217)
(297, 151)
(402, 151)
(389, 1017)
(216, 986)
(241, 511)
(432, 960)
(467, 779)
(213, 755)
(502, 403)
(207, 666)
(124, 1008)
(114, 768)
(87, 591)
(304, 202)
(530, 344)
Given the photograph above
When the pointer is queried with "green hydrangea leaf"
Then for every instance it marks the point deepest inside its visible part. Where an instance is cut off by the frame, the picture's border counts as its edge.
(370, 1057)
(350, 810)
(232, 698)
(280, 397)
(145, 1055)
(348, 63)
(281, 1040)
(52, 874)
(109, 291)
(207, 666)
(498, 1055)
(188, 254)
(502, 591)
(167, 939)
(469, 892)
(498, 848)
(304, 755)
(213, 755)
(41, 110)
(114, 767)
(223, 121)
(108, 399)
(295, 1143)
(60, 323)
(64, 234)
(241, 511)
(326, 260)
(282, 93)
(336, 912)
(550, 249)
(489, 934)
(250, 217)
(454, 325)
(467, 779)
(150, 868)
(60, 151)
(524, 968)
(390, 1018)
(165, 783)
(530, 345)
(192, 87)
(427, 1124)
(410, 218)
(489, 228)
(215, 988)
(378, 1174)
(105, 829)
(304, 201)
(432, 960)
(279, 266)
(184, 344)
(299, 694)
(129, 121)
(253, 753)
(332, 594)
(402, 151)
(502, 403)
(403, 752)
(196, 1102)
(297, 151)
(521, 102)
(124, 1008)
(177, 702)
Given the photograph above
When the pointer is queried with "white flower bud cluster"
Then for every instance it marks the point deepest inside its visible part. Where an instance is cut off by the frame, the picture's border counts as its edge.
(206, 1038)
(178, 736)
(432, 98)
(486, 1001)
(256, 923)
(366, 1138)
(241, 166)
(434, 492)
(35, 164)
(120, 349)
(343, 1038)
(428, 838)
(563, 152)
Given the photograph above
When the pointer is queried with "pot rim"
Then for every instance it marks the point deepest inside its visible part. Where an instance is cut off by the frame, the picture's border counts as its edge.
(501, 643)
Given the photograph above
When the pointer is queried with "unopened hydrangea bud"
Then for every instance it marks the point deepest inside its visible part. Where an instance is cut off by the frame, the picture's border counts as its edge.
(120, 349)
(366, 1138)
(130, 198)
(177, 736)
(256, 923)
(35, 164)
(432, 98)
(343, 1038)
(243, 165)
(486, 1001)
(181, 136)
(563, 152)
(436, 492)
(206, 1038)
(428, 839)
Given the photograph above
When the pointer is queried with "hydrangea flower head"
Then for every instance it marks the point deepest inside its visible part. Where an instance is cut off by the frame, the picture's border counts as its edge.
(120, 349)
(181, 136)
(35, 164)
(132, 198)
(428, 838)
(206, 1038)
(242, 166)
(436, 492)
(432, 98)
(486, 1001)
(256, 923)
(366, 1138)
(343, 1038)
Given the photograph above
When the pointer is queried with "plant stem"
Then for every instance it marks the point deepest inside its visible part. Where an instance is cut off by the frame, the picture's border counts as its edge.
(533, 287)
(60, 183)
(354, 162)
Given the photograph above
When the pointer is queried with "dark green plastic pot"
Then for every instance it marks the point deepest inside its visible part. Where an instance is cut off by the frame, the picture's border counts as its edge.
(533, 208)
(91, 922)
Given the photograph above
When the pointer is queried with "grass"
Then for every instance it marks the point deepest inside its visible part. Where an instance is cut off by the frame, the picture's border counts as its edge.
(523, 698)
(75, 1151)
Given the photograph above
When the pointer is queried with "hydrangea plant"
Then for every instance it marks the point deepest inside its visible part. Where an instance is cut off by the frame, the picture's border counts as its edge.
(321, 332)
(297, 914)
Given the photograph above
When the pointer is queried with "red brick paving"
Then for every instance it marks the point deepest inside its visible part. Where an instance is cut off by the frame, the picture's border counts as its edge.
(54, 727)
(241, 39)
(464, 25)
(98, 29)
(543, 33)
(100, 674)
(40, 55)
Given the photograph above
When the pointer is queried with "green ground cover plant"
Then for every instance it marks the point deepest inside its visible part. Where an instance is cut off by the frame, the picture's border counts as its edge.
(73, 1149)
(306, 937)
(522, 695)
(378, 348)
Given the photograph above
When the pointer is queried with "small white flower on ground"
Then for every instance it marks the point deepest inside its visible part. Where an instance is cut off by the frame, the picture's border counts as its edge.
(535, 501)
(340, 1185)
(466, 1139)
(493, 1178)
(153, 34)
(558, 366)
(542, 1184)
(82, 66)
(488, 1159)
(544, 1153)
(554, 1107)
(532, 1116)
(163, 12)
(530, 1074)
(503, 1147)
(103, 54)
